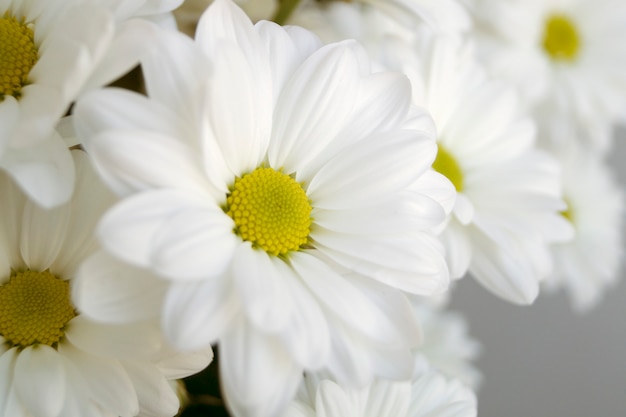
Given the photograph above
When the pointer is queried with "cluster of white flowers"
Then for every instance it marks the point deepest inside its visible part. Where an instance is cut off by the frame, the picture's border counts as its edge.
(300, 193)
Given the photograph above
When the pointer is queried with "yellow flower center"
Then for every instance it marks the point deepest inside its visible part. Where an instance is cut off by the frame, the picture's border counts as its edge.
(18, 54)
(568, 213)
(34, 308)
(271, 210)
(560, 39)
(446, 164)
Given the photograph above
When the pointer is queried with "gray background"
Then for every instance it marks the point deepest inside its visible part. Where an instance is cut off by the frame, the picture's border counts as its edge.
(545, 360)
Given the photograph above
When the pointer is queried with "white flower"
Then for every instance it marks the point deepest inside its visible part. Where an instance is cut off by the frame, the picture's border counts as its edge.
(53, 360)
(508, 202)
(568, 59)
(588, 265)
(427, 394)
(51, 50)
(267, 186)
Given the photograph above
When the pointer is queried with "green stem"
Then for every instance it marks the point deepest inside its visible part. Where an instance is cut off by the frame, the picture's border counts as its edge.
(285, 8)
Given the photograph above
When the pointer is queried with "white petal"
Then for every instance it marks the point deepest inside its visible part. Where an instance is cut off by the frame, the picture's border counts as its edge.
(507, 273)
(181, 365)
(43, 234)
(7, 365)
(127, 230)
(464, 209)
(239, 109)
(313, 106)
(44, 171)
(172, 70)
(91, 199)
(40, 380)
(381, 103)
(398, 215)
(77, 402)
(287, 48)
(307, 336)
(257, 375)
(40, 108)
(113, 292)
(131, 341)
(67, 60)
(11, 207)
(345, 299)
(437, 187)
(332, 401)
(224, 21)
(458, 249)
(349, 363)
(9, 116)
(197, 314)
(114, 108)
(132, 39)
(388, 398)
(194, 243)
(105, 380)
(133, 160)
(404, 330)
(156, 397)
(412, 263)
(265, 296)
(392, 164)
(298, 409)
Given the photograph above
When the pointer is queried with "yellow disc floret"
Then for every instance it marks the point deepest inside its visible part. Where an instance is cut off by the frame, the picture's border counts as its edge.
(18, 54)
(271, 210)
(34, 308)
(560, 38)
(446, 164)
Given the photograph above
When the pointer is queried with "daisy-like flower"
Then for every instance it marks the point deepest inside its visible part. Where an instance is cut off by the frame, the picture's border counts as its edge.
(588, 265)
(567, 58)
(508, 192)
(53, 360)
(50, 52)
(426, 394)
(267, 181)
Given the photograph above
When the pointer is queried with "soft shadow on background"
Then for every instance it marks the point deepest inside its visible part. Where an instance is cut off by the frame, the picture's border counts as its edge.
(544, 360)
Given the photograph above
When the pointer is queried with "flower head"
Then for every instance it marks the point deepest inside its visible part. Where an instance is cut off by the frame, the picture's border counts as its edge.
(51, 51)
(268, 187)
(588, 265)
(567, 60)
(508, 192)
(54, 360)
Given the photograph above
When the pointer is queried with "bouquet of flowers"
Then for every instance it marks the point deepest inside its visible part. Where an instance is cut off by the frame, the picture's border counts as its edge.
(283, 194)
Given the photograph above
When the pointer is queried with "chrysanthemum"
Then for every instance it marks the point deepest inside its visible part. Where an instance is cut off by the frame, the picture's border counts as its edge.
(53, 360)
(426, 394)
(588, 265)
(267, 181)
(566, 56)
(508, 202)
(50, 51)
